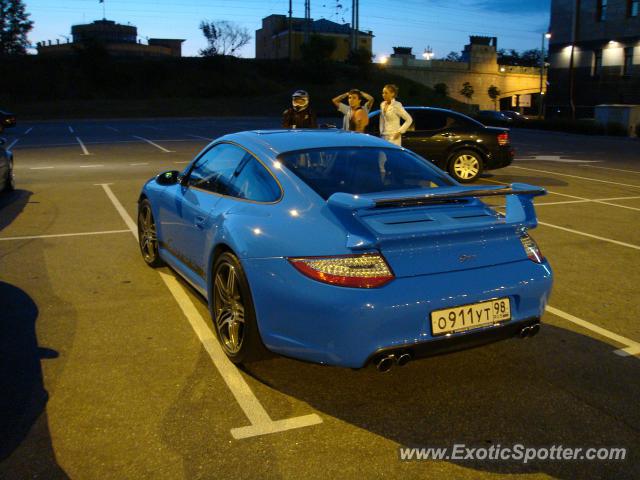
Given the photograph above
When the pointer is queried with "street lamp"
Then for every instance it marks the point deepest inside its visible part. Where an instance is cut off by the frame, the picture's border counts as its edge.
(546, 35)
(428, 53)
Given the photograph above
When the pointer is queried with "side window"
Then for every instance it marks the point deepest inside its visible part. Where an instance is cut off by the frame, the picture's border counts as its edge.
(255, 183)
(214, 171)
(429, 120)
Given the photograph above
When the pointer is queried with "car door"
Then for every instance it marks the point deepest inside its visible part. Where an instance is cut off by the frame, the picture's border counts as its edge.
(187, 223)
(430, 134)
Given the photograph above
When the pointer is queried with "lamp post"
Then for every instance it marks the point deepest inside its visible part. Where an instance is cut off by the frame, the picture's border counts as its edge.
(547, 36)
(428, 53)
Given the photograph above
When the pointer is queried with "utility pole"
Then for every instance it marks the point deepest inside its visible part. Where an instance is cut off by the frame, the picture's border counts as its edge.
(307, 19)
(574, 39)
(290, 24)
(355, 24)
(542, 67)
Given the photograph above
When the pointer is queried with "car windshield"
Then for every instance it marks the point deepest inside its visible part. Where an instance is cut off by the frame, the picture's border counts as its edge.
(362, 170)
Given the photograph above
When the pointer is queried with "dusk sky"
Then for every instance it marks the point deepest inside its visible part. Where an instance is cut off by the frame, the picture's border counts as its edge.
(443, 25)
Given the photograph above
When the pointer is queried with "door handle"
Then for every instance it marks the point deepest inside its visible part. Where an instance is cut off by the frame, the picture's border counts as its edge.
(199, 222)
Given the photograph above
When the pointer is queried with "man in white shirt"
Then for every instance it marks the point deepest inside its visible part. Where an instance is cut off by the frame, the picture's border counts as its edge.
(356, 115)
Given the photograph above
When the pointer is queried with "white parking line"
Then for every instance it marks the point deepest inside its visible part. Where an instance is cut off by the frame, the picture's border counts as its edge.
(154, 144)
(577, 176)
(71, 129)
(584, 234)
(613, 169)
(136, 164)
(28, 130)
(40, 168)
(578, 232)
(261, 422)
(631, 347)
(31, 237)
(12, 144)
(554, 158)
(90, 166)
(182, 162)
(603, 201)
(111, 128)
(84, 149)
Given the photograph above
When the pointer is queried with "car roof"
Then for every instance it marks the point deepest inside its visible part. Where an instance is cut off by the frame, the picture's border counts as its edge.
(416, 107)
(279, 141)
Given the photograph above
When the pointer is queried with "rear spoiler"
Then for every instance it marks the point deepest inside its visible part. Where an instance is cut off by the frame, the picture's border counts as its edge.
(519, 202)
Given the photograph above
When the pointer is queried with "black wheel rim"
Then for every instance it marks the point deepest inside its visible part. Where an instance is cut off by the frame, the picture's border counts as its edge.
(229, 308)
(147, 233)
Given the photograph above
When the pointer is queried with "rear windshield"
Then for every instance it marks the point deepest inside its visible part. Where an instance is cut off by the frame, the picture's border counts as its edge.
(362, 170)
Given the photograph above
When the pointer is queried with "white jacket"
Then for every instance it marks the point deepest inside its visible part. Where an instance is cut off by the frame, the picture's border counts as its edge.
(390, 120)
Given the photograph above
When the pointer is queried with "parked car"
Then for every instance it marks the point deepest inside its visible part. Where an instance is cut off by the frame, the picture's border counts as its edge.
(7, 181)
(454, 142)
(491, 117)
(515, 116)
(339, 248)
(7, 120)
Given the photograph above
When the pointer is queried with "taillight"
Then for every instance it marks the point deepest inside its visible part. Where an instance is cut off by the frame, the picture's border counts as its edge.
(503, 139)
(358, 271)
(531, 248)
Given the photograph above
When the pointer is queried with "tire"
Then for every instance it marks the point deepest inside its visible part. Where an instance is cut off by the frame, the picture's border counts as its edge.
(465, 166)
(233, 313)
(147, 235)
(10, 182)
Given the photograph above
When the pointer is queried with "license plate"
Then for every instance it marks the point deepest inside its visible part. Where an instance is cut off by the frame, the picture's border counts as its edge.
(467, 317)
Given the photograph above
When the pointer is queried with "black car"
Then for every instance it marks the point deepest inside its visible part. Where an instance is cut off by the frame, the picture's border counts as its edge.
(7, 120)
(7, 182)
(454, 142)
(492, 117)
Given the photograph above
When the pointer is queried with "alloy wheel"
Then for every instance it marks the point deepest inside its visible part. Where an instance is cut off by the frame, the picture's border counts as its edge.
(466, 166)
(229, 308)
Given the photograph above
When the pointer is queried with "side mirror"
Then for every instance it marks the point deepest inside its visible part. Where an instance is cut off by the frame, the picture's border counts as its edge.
(166, 179)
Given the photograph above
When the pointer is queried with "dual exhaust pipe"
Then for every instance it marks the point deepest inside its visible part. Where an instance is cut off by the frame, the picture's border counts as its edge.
(385, 362)
(530, 331)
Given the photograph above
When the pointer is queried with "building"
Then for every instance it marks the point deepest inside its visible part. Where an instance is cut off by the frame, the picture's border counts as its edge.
(272, 40)
(117, 39)
(479, 67)
(594, 55)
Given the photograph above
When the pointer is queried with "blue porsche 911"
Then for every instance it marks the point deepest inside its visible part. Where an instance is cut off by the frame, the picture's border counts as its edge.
(340, 248)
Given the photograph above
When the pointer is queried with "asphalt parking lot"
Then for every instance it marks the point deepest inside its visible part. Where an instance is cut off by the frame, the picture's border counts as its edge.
(111, 369)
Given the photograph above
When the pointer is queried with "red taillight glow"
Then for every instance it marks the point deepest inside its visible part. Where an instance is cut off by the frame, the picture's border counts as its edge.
(357, 271)
(503, 139)
(532, 249)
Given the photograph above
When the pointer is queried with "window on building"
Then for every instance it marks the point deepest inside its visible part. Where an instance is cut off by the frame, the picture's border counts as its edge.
(632, 8)
(596, 68)
(601, 10)
(628, 61)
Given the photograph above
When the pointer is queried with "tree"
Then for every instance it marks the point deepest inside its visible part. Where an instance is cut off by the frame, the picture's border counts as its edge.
(467, 91)
(14, 27)
(494, 93)
(318, 49)
(441, 89)
(223, 37)
(453, 57)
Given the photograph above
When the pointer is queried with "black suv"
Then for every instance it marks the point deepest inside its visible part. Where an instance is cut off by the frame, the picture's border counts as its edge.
(454, 142)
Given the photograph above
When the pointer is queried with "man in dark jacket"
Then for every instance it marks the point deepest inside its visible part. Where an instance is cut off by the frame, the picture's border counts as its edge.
(300, 114)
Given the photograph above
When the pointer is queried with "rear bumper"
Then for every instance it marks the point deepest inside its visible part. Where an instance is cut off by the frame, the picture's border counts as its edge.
(502, 157)
(302, 318)
(470, 339)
